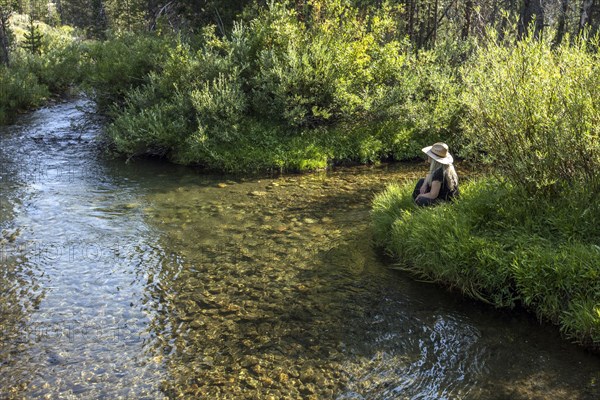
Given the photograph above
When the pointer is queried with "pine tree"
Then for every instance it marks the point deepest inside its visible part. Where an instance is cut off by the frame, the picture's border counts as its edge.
(33, 38)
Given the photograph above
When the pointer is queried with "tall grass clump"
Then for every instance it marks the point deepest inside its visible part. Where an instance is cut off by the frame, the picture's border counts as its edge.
(532, 112)
(491, 246)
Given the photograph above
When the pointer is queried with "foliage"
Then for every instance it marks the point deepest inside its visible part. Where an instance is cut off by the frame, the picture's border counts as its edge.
(33, 39)
(494, 246)
(19, 90)
(32, 78)
(117, 66)
(533, 114)
(58, 64)
(88, 15)
(344, 88)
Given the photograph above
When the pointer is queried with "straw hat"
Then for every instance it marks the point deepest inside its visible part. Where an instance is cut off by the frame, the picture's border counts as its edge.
(439, 152)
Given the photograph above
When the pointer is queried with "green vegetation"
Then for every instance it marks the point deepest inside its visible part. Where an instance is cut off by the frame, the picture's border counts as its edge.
(503, 246)
(45, 64)
(528, 234)
(533, 109)
(280, 93)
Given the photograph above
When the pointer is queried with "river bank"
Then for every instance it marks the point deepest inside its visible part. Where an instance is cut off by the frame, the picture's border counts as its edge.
(492, 245)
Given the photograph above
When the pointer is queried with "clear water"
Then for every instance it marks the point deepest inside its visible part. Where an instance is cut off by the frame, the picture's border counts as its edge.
(148, 280)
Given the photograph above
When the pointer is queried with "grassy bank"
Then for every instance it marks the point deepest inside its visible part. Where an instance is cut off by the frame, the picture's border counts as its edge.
(528, 235)
(501, 245)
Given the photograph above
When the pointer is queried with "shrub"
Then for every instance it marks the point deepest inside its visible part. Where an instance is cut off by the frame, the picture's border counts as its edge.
(219, 107)
(19, 91)
(421, 106)
(58, 65)
(333, 88)
(121, 64)
(532, 112)
(155, 129)
(32, 78)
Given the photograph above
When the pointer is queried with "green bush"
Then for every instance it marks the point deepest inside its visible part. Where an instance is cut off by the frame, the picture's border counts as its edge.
(219, 107)
(61, 60)
(334, 88)
(19, 91)
(32, 78)
(422, 106)
(121, 64)
(155, 129)
(533, 114)
(501, 246)
(59, 64)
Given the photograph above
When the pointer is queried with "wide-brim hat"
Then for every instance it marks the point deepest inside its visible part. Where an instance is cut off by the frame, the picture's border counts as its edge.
(439, 152)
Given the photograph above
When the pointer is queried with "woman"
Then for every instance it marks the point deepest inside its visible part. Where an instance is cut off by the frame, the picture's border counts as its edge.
(441, 183)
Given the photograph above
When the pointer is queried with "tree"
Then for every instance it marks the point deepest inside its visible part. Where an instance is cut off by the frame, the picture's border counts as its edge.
(466, 29)
(586, 14)
(33, 38)
(89, 15)
(125, 15)
(6, 10)
(531, 10)
(562, 22)
(59, 10)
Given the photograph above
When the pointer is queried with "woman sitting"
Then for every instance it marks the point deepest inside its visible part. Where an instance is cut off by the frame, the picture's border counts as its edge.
(441, 183)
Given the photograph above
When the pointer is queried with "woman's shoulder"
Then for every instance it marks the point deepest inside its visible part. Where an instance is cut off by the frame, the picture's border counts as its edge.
(438, 174)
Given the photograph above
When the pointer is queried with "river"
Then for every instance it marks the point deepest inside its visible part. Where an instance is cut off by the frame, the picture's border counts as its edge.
(144, 279)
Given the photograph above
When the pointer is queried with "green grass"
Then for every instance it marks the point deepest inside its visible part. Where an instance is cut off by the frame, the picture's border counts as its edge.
(500, 246)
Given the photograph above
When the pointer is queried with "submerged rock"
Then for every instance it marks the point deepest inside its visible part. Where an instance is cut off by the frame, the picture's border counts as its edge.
(258, 193)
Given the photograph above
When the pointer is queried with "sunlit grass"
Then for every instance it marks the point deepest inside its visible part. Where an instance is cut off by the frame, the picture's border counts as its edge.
(500, 246)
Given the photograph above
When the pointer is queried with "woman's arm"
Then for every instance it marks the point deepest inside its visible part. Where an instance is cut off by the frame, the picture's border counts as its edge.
(433, 192)
(424, 187)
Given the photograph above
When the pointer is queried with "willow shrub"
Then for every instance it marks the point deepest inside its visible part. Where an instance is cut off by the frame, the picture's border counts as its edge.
(533, 112)
(332, 88)
(19, 91)
(115, 67)
(492, 246)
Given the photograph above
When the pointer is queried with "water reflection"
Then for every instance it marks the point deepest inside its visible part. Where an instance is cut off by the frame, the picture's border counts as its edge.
(75, 256)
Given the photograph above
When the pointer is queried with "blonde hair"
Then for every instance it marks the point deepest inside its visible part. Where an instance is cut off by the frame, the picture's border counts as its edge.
(450, 175)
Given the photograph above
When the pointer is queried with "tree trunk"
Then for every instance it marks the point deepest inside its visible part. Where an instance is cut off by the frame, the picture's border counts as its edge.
(59, 10)
(529, 10)
(466, 29)
(586, 14)
(99, 19)
(435, 23)
(562, 22)
(4, 44)
(411, 12)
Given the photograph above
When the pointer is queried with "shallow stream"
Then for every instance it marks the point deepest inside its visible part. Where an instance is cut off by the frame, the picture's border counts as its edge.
(149, 280)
